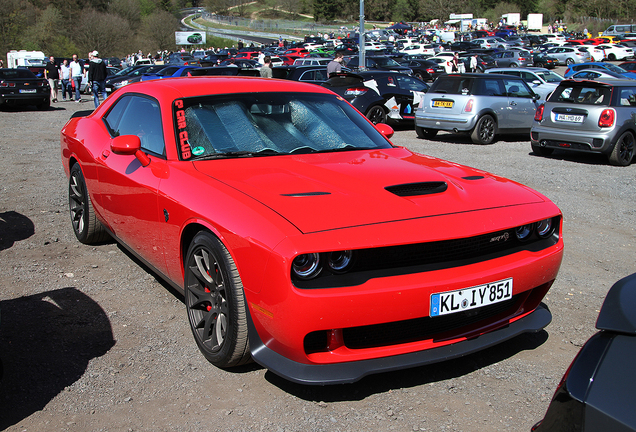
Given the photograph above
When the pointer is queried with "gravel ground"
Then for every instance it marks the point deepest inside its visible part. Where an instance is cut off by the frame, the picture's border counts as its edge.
(93, 341)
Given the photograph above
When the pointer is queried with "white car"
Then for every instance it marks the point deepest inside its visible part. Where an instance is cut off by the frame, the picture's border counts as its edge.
(492, 42)
(616, 51)
(417, 49)
(598, 54)
(446, 62)
(554, 37)
(541, 80)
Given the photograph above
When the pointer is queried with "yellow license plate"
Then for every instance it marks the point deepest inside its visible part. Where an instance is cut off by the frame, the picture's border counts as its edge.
(443, 104)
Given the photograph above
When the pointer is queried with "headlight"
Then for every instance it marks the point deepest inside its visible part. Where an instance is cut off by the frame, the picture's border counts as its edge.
(306, 266)
(545, 228)
(523, 232)
(340, 261)
(120, 84)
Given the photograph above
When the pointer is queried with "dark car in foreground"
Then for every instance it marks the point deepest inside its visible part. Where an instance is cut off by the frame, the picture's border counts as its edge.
(596, 394)
(588, 116)
(382, 96)
(21, 87)
(299, 236)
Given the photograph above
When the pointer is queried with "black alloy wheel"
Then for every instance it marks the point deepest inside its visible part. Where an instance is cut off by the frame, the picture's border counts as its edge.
(215, 302)
(86, 227)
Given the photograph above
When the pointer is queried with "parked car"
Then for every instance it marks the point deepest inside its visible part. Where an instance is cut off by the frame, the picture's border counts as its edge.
(379, 63)
(511, 58)
(597, 75)
(597, 391)
(181, 59)
(544, 61)
(129, 76)
(483, 105)
(286, 219)
(484, 61)
(382, 96)
(614, 51)
(572, 69)
(310, 74)
(628, 66)
(425, 70)
(168, 72)
(569, 55)
(21, 87)
(312, 61)
(541, 81)
(492, 43)
(588, 116)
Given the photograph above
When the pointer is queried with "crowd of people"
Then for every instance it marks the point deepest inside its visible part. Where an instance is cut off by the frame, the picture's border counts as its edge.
(68, 77)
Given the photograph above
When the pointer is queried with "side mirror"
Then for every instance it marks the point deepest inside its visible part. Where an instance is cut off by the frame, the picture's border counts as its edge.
(129, 145)
(385, 130)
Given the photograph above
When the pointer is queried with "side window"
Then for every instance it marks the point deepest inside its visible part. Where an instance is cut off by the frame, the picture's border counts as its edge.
(627, 96)
(141, 116)
(517, 88)
(490, 87)
(509, 55)
(528, 77)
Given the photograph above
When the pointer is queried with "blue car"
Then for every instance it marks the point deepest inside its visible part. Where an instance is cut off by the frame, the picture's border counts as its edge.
(168, 72)
(572, 69)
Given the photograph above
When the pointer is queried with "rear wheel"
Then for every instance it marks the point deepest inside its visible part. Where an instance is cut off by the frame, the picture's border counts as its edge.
(484, 131)
(425, 133)
(541, 151)
(514, 65)
(611, 57)
(215, 302)
(623, 151)
(86, 227)
(376, 114)
(569, 62)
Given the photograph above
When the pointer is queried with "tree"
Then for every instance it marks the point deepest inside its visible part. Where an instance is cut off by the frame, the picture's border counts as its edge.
(14, 18)
(327, 10)
(101, 31)
(130, 10)
(159, 29)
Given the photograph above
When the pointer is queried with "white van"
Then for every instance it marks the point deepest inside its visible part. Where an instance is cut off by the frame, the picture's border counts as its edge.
(25, 58)
(619, 29)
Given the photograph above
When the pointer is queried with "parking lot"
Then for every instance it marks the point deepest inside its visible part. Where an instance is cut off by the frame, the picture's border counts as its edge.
(91, 340)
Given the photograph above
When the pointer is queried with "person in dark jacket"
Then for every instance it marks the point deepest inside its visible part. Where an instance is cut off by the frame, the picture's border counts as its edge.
(97, 74)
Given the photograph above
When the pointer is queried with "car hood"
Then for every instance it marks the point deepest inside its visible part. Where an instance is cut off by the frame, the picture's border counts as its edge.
(319, 192)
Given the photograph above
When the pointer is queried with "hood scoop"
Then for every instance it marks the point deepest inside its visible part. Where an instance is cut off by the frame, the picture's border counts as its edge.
(416, 189)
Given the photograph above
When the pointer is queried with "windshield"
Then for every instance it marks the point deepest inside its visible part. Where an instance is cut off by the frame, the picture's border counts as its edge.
(264, 124)
(385, 61)
(550, 77)
(615, 68)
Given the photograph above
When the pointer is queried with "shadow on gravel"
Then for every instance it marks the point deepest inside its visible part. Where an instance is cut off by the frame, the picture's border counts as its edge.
(46, 342)
(406, 378)
(14, 227)
(461, 138)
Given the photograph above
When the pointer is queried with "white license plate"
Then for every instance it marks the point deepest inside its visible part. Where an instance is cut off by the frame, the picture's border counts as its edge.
(571, 118)
(28, 90)
(470, 298)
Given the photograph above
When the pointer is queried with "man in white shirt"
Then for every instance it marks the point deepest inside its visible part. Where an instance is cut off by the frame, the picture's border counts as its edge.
(76, 77)
(65, 76)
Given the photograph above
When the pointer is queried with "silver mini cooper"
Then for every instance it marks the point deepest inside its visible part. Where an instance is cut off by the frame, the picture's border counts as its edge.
(588, 116)
(483, 105)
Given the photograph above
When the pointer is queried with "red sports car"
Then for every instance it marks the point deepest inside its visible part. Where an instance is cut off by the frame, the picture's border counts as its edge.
(300, 236)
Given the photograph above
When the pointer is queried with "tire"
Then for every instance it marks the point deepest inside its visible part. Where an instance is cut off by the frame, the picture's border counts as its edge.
(611, 57)
(623, 151)
(44, 105)
(485, 130)
(539, 64)
(425, 133)
(569, 62)
(215, 302)
(514, 65)
(419, 76)
(376, 114)
(541, 151)
(86, 227)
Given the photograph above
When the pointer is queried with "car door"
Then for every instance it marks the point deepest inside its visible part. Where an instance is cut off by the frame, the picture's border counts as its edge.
(127, 191)
(521, 104)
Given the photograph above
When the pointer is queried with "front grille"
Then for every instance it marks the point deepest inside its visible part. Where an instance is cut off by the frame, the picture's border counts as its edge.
(424, 328)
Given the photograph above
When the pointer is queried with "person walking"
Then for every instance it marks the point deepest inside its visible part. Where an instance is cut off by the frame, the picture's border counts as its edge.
(52, 73)
(266, 70)
(76, 77)
(335, 65)
(473, 63)
(65, 76)
(97, 74)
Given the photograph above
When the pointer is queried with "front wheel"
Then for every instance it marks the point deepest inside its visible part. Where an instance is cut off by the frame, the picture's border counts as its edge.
(484, 131)
(569, 62)
(425, 133)
(623, 151)
(376, 114)
(86, 227)
(215, 302)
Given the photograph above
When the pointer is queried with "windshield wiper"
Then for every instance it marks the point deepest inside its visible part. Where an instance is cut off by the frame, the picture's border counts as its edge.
(237, 154)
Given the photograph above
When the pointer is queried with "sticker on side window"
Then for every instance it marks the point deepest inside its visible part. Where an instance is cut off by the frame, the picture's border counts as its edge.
(180, 120)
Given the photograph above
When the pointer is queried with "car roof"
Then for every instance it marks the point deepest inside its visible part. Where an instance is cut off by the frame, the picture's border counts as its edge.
(524, 69)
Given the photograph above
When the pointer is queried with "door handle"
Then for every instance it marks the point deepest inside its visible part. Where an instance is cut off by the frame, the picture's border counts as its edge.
(513, 103)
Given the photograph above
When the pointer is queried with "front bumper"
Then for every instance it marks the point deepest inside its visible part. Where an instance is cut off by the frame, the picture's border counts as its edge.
(348, 372)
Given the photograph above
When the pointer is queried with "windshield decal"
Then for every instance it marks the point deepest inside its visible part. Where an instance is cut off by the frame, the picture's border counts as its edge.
(184, 144)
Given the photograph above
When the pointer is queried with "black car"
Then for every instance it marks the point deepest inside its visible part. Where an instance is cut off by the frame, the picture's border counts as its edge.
(21, 87)
(463, 46)
(484, 61)
(382, 96)
(129, 75)
(378, 63)
(597, 391)
(545, 61)
(315, 74)
(425, 70)
(223, 71)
